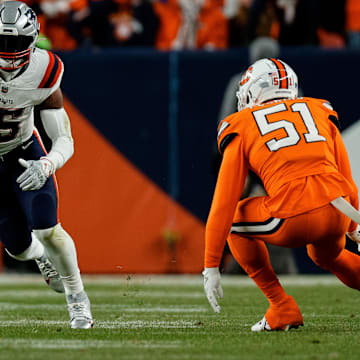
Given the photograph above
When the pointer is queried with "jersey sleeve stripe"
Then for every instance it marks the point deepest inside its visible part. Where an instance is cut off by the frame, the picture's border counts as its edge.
(282, 73)
(52, 72)
(57, 70)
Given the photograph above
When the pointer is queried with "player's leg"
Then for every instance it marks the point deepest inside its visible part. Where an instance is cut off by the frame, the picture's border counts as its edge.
(283, 312)
(61, 249)
(15, 233)
(247, 246)
(41, 211)
(328, 247)
(35, 251)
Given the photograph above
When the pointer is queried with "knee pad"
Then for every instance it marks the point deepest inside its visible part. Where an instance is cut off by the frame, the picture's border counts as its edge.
(52, 237)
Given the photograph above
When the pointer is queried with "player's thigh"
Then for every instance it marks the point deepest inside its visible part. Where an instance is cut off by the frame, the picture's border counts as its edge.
(252, 220)
(14, 231)
(40, 207)
(327, 238)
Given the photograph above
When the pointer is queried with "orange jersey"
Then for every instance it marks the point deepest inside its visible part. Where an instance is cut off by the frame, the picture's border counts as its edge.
(296, 150)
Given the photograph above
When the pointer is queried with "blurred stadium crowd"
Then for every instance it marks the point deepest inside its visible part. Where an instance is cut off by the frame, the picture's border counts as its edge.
(196, 24)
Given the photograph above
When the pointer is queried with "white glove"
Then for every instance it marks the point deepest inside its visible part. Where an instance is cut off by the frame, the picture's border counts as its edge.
(212, 287)
(36, 173)
(355, 236)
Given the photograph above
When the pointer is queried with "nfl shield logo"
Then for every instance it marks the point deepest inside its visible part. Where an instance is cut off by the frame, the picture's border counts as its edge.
(4, 89)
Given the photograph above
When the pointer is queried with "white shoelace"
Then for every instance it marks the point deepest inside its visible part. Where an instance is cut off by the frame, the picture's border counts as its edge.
(79, 310)
(47, 268)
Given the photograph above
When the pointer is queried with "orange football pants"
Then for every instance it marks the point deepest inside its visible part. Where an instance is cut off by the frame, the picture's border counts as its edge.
(321, 230)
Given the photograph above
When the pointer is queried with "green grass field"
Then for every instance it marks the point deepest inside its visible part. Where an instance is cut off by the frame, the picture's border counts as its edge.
(152, 317)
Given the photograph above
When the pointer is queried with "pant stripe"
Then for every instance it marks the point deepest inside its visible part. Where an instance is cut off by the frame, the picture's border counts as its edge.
(269, 226)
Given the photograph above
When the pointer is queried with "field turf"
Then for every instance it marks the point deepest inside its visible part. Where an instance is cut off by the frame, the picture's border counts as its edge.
(168, 317)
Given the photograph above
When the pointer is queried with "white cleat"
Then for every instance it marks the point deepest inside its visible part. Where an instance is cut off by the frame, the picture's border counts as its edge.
(50, 274)
(262, 325)
(79, 311)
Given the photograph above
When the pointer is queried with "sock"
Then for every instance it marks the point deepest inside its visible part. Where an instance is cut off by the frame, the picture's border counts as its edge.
(61, 251)
(253, 257)
(34, 251)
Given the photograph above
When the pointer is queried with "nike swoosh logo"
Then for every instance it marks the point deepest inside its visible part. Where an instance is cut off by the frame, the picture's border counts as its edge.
(24, 147)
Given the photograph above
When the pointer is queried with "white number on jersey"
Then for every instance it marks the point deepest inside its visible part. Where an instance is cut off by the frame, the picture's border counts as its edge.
(293, 137)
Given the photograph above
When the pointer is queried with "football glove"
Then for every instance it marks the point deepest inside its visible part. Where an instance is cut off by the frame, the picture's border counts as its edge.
(36, 173)
(212, 287)
(355, 236)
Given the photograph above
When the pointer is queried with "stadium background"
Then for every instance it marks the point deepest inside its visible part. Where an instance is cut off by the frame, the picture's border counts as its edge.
(137, 192)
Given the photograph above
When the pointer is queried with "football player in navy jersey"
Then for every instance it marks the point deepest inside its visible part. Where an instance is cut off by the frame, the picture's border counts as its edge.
(30, 228)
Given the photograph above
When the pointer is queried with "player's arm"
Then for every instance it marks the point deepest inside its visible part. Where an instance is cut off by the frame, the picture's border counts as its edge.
(228, 190)
(229, 186)
(57, 126)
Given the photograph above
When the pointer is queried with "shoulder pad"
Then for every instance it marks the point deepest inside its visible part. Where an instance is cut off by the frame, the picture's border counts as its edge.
(226, 133)
(226, 141)
(328, 105)
(333, 116)
(53, 71)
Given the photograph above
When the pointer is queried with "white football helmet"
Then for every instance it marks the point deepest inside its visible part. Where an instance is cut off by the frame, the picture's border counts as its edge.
(265, 80)
(19, 30)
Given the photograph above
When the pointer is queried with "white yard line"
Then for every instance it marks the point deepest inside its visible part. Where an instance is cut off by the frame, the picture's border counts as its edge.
(111, 292)
(171, 280)
(135, 324)
(4, 306)
(84, 344)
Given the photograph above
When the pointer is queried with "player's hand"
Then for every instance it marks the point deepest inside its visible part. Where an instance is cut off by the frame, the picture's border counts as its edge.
(355, 236)
(36, 173)
(212, 287)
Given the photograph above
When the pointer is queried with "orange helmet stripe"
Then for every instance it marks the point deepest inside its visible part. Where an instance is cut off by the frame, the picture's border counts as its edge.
(282, 73)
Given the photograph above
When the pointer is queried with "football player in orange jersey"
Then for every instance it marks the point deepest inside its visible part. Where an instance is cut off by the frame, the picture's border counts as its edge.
(294, 146)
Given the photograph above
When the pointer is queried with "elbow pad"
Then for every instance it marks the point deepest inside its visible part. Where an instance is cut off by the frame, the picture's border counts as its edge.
(57, 126)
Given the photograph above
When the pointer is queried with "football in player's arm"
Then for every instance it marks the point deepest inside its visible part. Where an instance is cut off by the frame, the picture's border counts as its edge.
(294, 146)
(30, 228)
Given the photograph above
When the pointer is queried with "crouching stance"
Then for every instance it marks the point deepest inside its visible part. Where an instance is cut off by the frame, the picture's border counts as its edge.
(29, 223)
(294, 146)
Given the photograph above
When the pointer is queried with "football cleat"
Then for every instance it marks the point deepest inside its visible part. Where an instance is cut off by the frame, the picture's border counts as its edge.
(79, 311)
(263, 325)
(50, 274)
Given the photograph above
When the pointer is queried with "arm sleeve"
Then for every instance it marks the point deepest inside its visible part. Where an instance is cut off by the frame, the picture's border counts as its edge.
(227, 193)
(344, 167)
(57, 126)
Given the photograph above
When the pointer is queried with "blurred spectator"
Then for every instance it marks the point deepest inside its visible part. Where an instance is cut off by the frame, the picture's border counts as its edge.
(114, 23)
(53, 16)
(191, 24)
(69, 24)
(332, 25)
(353, 23)
(296, 21)
(301, 22)
(236, 11)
